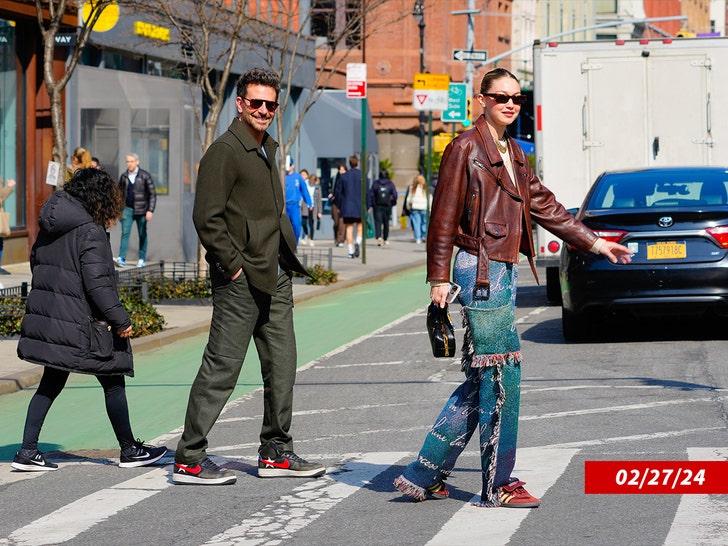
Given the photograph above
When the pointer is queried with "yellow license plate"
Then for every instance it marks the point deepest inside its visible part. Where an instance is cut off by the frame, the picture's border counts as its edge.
(666, 251)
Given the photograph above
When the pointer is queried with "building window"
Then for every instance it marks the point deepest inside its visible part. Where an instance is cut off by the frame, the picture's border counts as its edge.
(15, 203)
(150, 141)
(100, 134)
(606, 7)
(331, 19)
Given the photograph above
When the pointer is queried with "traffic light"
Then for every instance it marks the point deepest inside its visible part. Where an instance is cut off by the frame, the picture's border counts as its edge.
(468, 113)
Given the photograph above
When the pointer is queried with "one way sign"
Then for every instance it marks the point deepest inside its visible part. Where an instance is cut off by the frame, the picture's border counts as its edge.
(469, 55)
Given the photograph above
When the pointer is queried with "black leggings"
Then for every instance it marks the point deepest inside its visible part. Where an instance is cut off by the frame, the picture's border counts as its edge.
(307, 223)
(51, 385)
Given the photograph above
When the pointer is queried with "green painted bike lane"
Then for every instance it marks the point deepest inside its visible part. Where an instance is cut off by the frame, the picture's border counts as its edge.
(158, 393)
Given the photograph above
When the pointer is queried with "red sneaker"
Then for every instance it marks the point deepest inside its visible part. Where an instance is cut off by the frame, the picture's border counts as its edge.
(514, 495)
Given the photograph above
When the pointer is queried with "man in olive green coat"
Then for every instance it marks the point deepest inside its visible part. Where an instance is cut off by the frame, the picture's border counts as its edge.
(239, 217)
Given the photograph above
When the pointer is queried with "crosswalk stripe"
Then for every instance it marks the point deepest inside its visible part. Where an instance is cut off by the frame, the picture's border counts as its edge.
(539, 467)
(280, 520)
(79, 516)
(701, 519)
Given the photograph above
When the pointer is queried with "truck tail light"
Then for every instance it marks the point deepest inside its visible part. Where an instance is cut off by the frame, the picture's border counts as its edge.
(720, 234)
(554, 247)
(613, 235)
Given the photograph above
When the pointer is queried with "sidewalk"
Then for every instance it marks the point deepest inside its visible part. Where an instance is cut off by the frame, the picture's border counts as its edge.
(185, 320)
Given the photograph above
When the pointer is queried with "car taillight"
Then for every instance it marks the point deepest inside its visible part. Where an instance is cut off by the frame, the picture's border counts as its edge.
(720, 234)
(614, 235)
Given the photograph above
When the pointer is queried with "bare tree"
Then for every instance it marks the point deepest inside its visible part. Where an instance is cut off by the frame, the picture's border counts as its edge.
(49, 28)
(209, 34)
(287, 45)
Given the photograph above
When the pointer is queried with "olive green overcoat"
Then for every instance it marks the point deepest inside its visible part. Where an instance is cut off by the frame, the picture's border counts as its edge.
(239, 210)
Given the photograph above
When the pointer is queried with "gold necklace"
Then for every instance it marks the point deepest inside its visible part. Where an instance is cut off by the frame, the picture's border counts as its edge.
(502, 145)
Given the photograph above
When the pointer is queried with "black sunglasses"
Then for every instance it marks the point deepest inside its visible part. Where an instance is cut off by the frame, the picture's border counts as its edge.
(254, 104)
(503, 99)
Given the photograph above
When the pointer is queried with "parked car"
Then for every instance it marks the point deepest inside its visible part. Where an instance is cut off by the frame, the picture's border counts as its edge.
(675, 221)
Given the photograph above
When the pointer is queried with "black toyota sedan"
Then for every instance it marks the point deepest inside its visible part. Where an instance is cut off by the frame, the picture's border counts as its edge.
(675, 222)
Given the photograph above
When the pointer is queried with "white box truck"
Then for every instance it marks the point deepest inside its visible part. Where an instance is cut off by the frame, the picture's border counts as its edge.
(605, 105)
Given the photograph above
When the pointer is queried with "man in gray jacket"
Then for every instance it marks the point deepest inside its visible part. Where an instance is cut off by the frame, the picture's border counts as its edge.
(239, 217)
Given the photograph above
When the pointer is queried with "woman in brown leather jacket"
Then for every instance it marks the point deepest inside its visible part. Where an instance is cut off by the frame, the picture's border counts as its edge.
(484, 202)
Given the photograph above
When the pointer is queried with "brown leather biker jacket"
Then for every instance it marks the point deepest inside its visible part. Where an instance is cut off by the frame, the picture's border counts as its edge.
(478, 208)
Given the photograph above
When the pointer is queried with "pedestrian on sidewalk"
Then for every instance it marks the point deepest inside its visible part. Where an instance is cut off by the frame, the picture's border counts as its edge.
(334, 199)
(312, 219)
(417, 201)
(382, 196)
(74, 321)
(295, 193)
(140, 200)
(484, 202)
(350, 205)
(80, 159)
(238, 187)
(5, 191)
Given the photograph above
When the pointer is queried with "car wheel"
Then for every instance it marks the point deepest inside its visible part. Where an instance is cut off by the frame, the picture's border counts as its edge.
(553, 287)
(575, 327)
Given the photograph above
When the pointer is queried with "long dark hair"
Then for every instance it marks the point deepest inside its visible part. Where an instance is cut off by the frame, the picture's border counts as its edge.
(98, 193)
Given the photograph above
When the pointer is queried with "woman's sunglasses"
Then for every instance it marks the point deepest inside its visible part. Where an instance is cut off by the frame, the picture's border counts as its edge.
(254, 104)
(503, 99)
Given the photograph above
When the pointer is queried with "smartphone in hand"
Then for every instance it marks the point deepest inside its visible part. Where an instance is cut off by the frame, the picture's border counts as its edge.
(453, 292)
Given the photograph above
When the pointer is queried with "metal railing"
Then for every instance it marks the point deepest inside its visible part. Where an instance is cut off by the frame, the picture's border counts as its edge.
(176, 271)
(315, 256)
(15, 291)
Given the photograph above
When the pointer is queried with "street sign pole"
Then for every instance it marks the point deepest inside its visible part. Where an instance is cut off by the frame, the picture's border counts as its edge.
(356, 87)
(469, 55)
(363, 162)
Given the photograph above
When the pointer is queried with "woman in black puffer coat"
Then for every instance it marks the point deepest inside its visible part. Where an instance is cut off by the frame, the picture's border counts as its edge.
(74, 321)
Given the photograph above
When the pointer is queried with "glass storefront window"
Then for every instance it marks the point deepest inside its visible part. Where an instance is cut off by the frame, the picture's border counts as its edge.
(150, 141)
(8, 124)
(100, 134)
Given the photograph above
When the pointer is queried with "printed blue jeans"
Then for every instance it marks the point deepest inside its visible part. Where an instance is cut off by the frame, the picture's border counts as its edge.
(488, 399)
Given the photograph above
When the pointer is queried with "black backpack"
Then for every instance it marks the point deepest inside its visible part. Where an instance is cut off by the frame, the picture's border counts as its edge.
(382, 196)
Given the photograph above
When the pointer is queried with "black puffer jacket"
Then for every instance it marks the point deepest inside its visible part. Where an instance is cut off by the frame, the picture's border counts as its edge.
(145, 195)
(74, 286)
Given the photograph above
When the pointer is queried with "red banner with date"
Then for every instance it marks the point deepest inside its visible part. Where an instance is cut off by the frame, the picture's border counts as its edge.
(655, 477)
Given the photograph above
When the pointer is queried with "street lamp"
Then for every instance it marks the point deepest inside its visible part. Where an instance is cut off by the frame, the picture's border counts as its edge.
(419, 15)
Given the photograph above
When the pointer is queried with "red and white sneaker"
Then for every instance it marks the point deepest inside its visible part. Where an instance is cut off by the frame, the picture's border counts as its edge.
(203, 473)
(273, 462)
(514, 495)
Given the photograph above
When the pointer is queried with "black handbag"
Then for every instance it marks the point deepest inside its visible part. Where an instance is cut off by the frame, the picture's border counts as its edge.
(441, 331)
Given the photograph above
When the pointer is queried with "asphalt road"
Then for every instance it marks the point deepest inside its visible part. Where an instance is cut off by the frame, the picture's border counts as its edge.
(363, 405)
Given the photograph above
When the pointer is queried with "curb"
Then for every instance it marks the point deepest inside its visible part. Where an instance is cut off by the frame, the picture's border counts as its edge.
(20, 380)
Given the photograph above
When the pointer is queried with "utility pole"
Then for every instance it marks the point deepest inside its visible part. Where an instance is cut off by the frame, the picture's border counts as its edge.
(470, 42)
(419, 14)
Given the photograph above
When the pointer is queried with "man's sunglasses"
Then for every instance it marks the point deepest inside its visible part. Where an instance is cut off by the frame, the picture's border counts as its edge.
(254, 104)
(503, 99)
